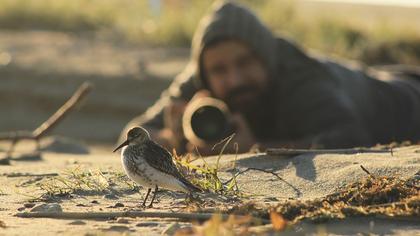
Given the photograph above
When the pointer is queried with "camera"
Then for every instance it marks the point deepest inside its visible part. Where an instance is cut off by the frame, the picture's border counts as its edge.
(206, 120)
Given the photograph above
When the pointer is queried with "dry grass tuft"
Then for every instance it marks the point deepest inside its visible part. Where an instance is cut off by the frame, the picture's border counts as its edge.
(207, 177)
(373, 196)
(85, 182)
(382, 197)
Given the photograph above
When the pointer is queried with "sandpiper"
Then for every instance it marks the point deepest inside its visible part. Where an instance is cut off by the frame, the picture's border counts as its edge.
(150, 165)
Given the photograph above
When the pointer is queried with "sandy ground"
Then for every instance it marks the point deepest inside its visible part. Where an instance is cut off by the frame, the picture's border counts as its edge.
(43, 69)
(309, 176)
(16, 191)
(304, 177)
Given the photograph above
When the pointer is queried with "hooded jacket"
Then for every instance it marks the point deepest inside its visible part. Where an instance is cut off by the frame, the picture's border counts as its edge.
(316, 101)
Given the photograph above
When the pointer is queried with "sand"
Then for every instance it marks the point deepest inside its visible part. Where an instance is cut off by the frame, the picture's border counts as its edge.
(45, 70)
(309, 176)
(304, 177)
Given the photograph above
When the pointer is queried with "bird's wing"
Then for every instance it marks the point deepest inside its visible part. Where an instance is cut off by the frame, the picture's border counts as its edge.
(159, 158)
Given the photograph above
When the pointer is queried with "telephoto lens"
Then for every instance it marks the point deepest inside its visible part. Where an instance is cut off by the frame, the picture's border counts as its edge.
(206, 120)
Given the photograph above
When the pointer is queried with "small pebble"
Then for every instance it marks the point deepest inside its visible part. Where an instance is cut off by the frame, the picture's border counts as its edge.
(147, 224)
(81, 205)
(29, 205)
(94, 202)
(110, 196)
(122, 221)
(119, 228)
(77, 222)
(118, 204)
(47, 207)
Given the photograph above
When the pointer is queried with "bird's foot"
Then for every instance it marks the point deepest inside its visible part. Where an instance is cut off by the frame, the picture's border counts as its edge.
(191, 198)
(141, 206)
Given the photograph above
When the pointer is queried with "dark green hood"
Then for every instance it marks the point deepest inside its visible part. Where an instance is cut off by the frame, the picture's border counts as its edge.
(317, 102)
(227, 20)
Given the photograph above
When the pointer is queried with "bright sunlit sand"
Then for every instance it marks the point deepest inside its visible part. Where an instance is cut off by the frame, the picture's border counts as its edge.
(405, 3)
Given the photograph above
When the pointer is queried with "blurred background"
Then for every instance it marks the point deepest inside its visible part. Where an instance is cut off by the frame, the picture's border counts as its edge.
(130, 50)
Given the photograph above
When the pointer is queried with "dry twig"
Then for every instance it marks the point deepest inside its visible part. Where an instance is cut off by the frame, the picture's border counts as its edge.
(64, 110)
(367, 172)
(295, 152)
(14, 175)
(50, 123)
(298, 192)
(107, 215)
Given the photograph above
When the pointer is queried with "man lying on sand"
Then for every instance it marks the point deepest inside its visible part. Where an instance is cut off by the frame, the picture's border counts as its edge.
(279, 96)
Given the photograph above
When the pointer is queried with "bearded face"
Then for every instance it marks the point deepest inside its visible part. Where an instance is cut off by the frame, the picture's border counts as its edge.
(235, 74)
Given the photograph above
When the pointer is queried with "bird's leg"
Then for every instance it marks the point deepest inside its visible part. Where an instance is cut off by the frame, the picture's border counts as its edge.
(147, 195)
(154, 195)
(190, 198)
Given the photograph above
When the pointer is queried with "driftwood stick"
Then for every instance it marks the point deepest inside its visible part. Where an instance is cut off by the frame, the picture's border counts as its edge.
(17, 174)
(106, 215)
(367, 172)
(295, 152)
(49, 124)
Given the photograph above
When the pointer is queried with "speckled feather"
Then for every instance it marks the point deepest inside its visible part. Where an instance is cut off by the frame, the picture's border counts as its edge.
(158, 158)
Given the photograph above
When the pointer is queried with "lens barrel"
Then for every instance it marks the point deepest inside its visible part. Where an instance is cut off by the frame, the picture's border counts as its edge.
(206, 120)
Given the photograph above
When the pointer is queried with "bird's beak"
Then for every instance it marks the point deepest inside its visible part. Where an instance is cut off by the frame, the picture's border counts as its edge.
(125, 143)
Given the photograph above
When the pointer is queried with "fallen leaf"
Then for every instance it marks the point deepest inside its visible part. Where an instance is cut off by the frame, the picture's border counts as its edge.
(279, 223)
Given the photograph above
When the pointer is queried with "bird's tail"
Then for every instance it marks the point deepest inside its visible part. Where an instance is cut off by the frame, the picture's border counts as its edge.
(191, 187)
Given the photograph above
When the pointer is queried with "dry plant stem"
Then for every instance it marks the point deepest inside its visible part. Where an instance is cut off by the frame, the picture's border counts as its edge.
(226, 142)
(49, 124)
(257, 169)
(295, 152)
(298, 192)
(14, 175)
(106, 215)
(367, 172)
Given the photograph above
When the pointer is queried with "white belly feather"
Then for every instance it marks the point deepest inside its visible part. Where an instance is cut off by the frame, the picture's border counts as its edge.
(147, 176)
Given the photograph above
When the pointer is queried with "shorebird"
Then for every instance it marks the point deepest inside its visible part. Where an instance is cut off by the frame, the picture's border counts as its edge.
(150, 165)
